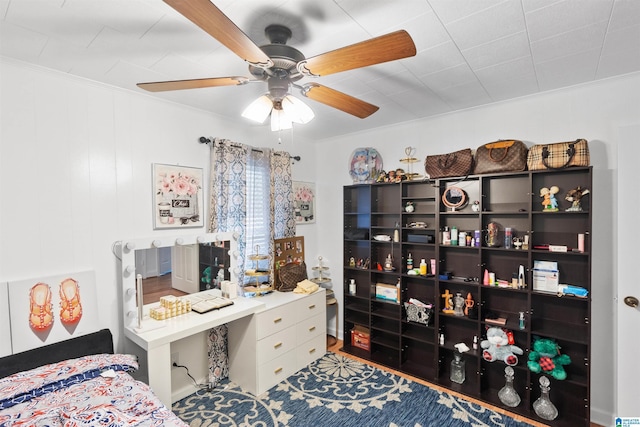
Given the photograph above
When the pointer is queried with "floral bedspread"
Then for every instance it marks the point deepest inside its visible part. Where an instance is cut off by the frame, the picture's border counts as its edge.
(89, 391)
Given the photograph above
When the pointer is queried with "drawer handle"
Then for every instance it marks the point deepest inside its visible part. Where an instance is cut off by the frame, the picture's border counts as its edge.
(277, 319)
(313, 350)
(278, 345)
(277, 371)
(311, 329)
(312, 306)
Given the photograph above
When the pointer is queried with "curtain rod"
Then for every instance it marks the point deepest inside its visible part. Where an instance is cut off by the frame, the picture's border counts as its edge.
(205, 140)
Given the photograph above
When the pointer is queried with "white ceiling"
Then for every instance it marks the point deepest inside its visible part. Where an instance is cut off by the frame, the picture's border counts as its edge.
(470, 52)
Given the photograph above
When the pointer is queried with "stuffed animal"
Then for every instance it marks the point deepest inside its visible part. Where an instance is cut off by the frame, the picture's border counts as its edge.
(499, 346)
(546, 358)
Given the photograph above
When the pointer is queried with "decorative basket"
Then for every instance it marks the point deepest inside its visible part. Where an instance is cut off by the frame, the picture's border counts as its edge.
(418, 314)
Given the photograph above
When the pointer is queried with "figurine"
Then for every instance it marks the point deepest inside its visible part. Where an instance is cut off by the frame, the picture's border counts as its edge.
(458, 303)
(448, 302)
(476, 206)
(492, 235)
(574, 196)
(517, 242)
(549, 201)
(409, 207)
(468, 303)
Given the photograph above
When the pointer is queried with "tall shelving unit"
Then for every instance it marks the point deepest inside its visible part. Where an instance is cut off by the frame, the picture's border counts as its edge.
(512, 200)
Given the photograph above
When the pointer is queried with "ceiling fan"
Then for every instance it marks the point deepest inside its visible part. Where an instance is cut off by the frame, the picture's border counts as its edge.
(281, 66)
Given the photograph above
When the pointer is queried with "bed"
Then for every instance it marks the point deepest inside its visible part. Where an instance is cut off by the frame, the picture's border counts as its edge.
(78, 382)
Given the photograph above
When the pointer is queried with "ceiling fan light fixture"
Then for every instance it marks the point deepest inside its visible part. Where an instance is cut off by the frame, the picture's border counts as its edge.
(280, 120)
(258, 110)
(297, 110)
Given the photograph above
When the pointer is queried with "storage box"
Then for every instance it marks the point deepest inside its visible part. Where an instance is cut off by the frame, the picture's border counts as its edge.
(419, 238)
(387, 292)
(545, 276)
(360, 337)
(418, 314)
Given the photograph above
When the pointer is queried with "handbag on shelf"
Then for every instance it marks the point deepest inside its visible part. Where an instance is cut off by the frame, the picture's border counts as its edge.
(289, 275)
(558, 155)
(501, 156)
(457, 163)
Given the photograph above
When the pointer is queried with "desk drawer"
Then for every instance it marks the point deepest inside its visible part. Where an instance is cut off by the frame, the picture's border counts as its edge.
(275, 345)
(311, 305)
(276, 370)
(310, 328)
(311, 350)
(274, 320)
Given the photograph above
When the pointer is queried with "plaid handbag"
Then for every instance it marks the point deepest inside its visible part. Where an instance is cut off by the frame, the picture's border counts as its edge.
(289, 275)
(558, 155)
(458, 163)
(501, 156)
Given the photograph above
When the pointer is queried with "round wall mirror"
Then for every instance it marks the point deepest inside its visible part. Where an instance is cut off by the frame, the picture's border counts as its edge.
(454, 198)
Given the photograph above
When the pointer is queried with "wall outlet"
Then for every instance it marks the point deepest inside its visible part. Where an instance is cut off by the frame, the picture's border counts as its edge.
(174, 358)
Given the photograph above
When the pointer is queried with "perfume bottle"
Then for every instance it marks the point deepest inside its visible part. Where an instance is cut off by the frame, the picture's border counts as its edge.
(543, 406)
(507, 394)
(457, 374)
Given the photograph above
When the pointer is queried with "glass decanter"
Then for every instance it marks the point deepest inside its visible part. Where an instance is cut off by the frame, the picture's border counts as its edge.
(507, 394)
(543, 406)
(457, 374)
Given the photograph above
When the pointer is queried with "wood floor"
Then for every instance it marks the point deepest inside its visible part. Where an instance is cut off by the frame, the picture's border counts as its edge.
(155, 287)
(334, 346)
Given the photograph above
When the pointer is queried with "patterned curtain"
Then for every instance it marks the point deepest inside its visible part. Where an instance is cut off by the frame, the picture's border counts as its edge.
(228, 208)
(282, 206)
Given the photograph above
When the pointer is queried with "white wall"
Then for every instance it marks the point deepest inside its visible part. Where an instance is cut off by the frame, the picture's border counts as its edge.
(594, 112)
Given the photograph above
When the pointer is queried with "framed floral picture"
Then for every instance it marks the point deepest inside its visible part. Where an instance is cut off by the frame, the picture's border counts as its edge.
(304, 200)
(177, 197)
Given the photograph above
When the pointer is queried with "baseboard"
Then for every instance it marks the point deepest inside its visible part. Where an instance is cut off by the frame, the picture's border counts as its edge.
(601, 417)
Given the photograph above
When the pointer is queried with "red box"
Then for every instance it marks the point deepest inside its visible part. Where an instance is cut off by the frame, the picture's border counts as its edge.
(360, 337)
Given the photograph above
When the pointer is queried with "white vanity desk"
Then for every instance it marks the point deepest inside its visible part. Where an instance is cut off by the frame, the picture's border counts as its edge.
(157, 342)
(270, 337)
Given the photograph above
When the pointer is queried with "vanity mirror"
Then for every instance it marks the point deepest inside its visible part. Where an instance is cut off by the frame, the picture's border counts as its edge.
(454, 198)
(190, 255)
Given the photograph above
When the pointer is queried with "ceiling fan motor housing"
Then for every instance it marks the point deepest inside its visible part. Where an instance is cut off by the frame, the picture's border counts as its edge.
(284, 57)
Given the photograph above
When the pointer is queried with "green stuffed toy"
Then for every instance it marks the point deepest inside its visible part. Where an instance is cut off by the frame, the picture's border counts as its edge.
(546, 358)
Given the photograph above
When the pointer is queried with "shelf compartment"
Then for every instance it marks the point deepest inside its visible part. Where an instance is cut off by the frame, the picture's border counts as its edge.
(419, 190)
(504, 263)
(418, 359)
(559, 229)
(384, 324)
(561, 318)
(385, 198)
(386, 309)
(457, 329)
(356, 318)
(566, 179)
(508, 193)
(386, 356)
(418, 332)
(504, 304)
(573, 270)
(571, 400)
(471, 383)
(493, 379)
(460, 261)
(357, 199)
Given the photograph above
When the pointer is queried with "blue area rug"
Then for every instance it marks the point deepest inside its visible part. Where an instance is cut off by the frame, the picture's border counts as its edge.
(337, 391)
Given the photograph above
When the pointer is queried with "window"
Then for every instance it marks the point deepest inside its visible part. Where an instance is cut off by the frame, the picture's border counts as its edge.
(258, 231)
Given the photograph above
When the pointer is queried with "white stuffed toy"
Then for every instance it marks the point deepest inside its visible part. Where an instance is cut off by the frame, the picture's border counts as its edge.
(499, 346)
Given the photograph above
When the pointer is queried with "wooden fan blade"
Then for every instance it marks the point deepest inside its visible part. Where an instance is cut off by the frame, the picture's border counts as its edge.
(339, 100)
(193, 83)
(207, 16)
(392, 46)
